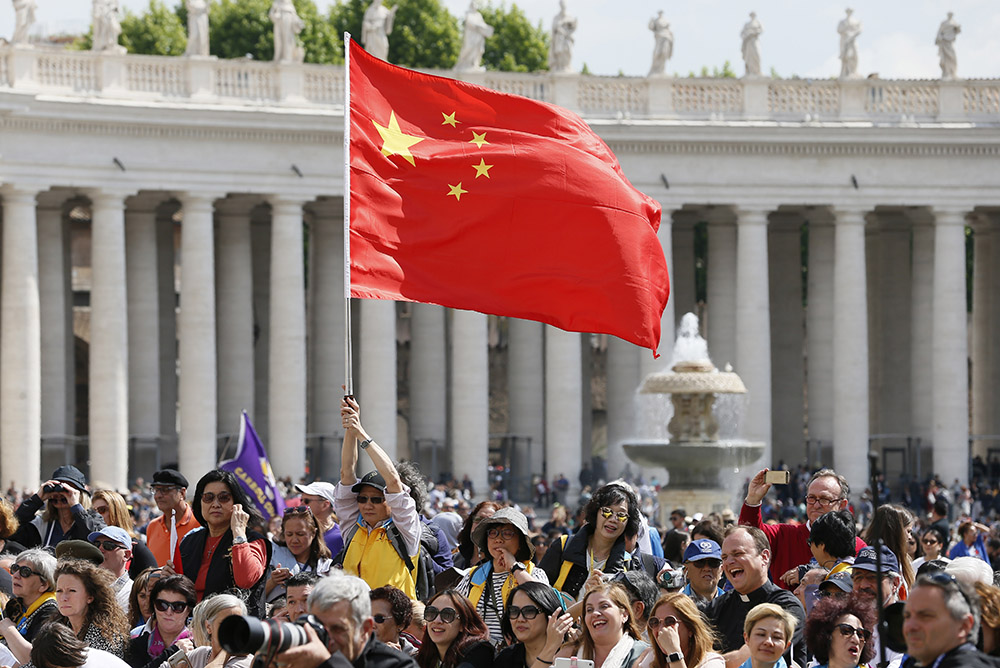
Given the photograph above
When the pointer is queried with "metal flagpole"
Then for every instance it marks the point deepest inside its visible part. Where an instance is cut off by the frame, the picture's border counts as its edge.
(348, 350)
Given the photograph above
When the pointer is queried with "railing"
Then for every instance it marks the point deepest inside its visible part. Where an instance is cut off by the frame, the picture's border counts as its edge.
(213, 81)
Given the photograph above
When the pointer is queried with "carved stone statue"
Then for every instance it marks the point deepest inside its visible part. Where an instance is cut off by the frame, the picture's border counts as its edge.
(287, 26)
(663, 48)
(751, 52)
(474, 37)
(946, 46)
(849, 28)
(24, 17)
(561, 51)
(197, 12)
(107, 26)
(376, 28)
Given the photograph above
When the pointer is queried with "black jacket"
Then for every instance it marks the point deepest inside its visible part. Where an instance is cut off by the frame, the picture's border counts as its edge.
(34, 531)
(220, 571)
(727, 612)
(373, 655)
(138, 656)
(963, 656)
(576, 553)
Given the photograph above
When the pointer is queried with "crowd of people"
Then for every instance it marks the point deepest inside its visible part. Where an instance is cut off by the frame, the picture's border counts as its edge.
(387, 571)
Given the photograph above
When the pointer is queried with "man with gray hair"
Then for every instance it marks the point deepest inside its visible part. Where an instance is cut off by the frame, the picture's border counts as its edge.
(342, 604)
(941, 623)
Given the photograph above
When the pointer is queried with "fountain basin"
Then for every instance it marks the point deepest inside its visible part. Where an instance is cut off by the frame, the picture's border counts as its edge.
(695, 465)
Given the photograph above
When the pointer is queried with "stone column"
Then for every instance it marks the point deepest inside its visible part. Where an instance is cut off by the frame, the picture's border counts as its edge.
(108, 342)
(647, 364)
(753, 322)
(563, 408)
(260, 245)
(787, 343)
(721, 325)
(682, 287)
(850, 349)
(234, 313)
(984, 338)
(143, 334)
(819, 331)
(428, 388)
(624, 377)
(286, 445)
(20, 355)
(922, 314)
(470, 398)
(198, 400)
(950, 349)
(526, 392)
(893, 332)
(166, 269)
(377, 382)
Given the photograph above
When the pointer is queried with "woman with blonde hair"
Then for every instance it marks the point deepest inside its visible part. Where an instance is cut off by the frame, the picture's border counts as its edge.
(8, 527)
(205, 621)
(111, 506)
(610, 630)
(87, 604)
(677, 630)
(767, 632)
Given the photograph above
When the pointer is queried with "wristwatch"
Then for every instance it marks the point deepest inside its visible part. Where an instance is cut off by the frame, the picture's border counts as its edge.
(239, 540)
(518, 566)
(365, 443)
(675, 657)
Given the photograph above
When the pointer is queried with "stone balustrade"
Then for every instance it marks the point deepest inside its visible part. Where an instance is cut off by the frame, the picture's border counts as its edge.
(211, 80)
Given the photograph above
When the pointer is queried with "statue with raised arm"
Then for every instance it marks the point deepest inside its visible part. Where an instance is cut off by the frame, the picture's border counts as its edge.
(24, 18)
(107, 26)
(474, 37)
(561, 50)
(751, 52)
(849, 28)
(946, 46)
(197, 12)
(663, 48)
(376, 26)
(287, 26)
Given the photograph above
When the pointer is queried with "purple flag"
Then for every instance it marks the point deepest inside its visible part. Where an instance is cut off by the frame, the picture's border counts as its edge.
(251, 466)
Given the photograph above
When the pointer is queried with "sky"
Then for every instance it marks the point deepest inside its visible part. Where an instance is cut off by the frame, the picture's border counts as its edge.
(800, 36)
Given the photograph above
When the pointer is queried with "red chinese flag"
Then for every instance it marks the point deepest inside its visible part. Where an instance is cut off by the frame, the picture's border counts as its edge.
(473, 199)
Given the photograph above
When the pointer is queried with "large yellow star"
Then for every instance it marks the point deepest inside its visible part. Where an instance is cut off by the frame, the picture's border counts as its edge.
(456, 191)
(482, 169)
(478, 139)
(394, 141)
(449, 119)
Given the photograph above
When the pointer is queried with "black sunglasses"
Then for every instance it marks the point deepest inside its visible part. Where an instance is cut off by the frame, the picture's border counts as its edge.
(24, 571)
(380, 619)
(374, 499)
(108, 545)
(527, 611)
(709, 563)
(176, 606)
(448, 615)
(847, 631)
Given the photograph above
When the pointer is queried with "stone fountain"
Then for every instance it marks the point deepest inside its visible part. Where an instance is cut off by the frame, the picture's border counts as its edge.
(699, 462)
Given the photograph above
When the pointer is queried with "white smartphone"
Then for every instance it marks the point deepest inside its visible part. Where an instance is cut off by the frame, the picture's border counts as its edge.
(572, 662)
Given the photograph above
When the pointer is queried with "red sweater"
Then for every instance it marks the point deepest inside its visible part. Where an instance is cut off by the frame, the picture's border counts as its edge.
(789, 543)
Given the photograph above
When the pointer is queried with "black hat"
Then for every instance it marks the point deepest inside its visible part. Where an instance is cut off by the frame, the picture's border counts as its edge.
(71, 476)
(372, 479)
(168, 478)
(79, 549)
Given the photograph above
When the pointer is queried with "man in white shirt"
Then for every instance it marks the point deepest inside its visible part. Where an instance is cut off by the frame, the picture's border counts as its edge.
(116, 546)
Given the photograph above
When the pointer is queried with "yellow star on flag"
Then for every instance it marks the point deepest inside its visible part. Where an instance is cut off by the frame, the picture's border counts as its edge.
(482, 169)
(478, 139)
(449, 119)
(394, 141)
(456, 191)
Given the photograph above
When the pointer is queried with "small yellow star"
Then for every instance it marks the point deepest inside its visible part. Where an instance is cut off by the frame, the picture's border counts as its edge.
(449, 119)
(482, 169)
(456, 191)
(478, 139)
(394, 141)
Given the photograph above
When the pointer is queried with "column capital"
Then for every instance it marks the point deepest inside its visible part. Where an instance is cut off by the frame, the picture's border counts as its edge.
(752, 215)
(198, 201)
(109, 196)
(286, 203)
(147, 202)
(949, 216)
(22, 193)
(850, 215)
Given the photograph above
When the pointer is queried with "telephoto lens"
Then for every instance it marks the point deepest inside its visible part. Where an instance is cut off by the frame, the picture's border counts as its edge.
(249, 635)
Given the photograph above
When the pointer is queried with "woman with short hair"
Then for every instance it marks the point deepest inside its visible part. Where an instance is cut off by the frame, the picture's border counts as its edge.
(767, 632)
(87, 604)
(172, 599)
(837, 632)
(534, 623)
(934, 544)
(206, 619)
(33, 582)
(392, 611)
(113, 509)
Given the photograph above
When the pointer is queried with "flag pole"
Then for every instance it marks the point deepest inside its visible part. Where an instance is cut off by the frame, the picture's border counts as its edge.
(348, 351)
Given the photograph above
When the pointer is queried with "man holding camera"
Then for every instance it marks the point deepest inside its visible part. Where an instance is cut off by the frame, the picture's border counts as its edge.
(343, 605)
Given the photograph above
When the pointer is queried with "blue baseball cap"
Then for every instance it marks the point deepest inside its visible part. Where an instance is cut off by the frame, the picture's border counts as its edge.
(841, 579)
(866, 560)
(703, 548)
(116, 534)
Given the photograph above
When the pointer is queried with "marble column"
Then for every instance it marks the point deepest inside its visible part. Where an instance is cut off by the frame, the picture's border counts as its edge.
(234, 313)
(950, 349)
(470, 398)
(787, 344)
(20, 355)
(623, 379)
(850, 349)
(894, 327)
(721, 325)
(753, 345)
(428, 388)
(819, 332)
(198, 400)
(166, 268)
(260, 245)
(563, 408)
(984, 337)
(647, 363)
(109, 392)
(526, 393)
(922, 319)
(682, 284)
(287, 355)
(325, 313)
(376, 386)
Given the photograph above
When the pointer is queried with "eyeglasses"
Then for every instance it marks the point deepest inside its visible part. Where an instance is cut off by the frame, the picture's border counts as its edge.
(656, 622)
(109, 545)
(928, 541)
(24, 571)
(164, 489)
(821, 501)
(373, 499)
(528, 612)
(706, 563)
(607, 512)
(176, 606)
(380, 619)
(506, 533)
(847, 631)
(221, 497)
(448, 615)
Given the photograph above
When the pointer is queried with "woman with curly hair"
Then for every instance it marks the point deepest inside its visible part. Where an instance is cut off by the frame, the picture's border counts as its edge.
(111, 506)
(676, 626)
(392, 611)
(837, 632)
(455, 634)
(468, 554)
(298, 548)
(87, 604)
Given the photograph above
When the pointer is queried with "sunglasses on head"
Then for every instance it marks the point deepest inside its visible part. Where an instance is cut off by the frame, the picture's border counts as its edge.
(297, 510)
(373, 499)
(24, 571)
(655, 622)
(221, 497)
(847, 631)
(448, 615)
(176, 606)
(607, 512)
(108, 545)
(527, 611)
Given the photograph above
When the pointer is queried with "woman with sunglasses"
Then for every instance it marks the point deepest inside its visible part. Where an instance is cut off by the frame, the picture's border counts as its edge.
(88, 605)
(679, 635)
(535, 624)
(503, 540)
(599, 548)
(114, 511)
(934, 544)
(298, 548)
(224, 556)
(837, 632)
(767, 632)
(173, 598)
(33, 583)
(467, 553)
(610, 633)
(392, 611)
(454, 634)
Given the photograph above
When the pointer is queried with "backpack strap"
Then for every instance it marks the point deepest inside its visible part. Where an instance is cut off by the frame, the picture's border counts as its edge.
(566, 567)
(396, 538)
(347, 536)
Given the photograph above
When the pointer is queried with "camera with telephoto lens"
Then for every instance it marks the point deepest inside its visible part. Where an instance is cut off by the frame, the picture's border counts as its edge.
(249, 635)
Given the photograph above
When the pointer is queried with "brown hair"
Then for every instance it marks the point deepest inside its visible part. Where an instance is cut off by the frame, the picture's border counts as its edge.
(317, 548)
(8, 520)
(890, 523)
(103, 612)
(118, 514)
(619, 597)
(702, 635)
(140, 582)
(473, 630)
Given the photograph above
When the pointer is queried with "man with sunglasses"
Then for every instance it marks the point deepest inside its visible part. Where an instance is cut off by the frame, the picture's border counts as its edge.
(940, 624)
(116, 546)
(170, 494)
(703, 567)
